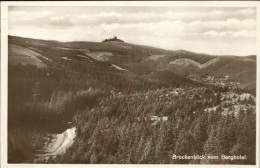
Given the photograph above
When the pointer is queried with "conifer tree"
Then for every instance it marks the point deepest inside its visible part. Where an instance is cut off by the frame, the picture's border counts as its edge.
(212, 146)
(184, 146)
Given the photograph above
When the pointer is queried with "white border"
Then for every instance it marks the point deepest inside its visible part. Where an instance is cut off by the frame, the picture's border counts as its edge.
(4, 63)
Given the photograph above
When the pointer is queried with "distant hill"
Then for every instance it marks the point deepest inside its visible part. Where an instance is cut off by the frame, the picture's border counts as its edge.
(142, 60)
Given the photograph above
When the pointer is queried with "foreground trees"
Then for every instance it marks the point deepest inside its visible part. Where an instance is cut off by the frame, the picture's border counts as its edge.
(117, 131)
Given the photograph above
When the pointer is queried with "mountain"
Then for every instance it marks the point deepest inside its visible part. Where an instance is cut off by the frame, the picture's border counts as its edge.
(131, 58)
(83, 102)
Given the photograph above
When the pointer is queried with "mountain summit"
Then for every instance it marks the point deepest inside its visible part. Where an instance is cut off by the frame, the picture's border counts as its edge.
(113, 39)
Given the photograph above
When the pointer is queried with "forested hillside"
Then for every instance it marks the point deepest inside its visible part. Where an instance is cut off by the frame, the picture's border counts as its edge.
(120, 129)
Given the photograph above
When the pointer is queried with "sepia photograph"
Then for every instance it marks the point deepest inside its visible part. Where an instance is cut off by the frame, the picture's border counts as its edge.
(130, 84)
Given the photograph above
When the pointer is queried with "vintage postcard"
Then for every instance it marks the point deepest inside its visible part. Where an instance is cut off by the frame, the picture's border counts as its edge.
(91, 84)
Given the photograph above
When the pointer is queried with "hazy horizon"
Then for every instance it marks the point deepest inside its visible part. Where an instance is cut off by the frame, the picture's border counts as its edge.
(215, 31)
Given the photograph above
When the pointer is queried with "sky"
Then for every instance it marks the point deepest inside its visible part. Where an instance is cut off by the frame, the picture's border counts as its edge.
(216, 31)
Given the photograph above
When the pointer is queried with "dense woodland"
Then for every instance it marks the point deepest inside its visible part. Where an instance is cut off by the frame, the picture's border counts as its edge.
(119, 131)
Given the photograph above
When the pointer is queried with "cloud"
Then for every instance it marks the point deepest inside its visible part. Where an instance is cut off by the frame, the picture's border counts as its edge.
(247, 11)
(24, 15)
(179, 28)
(168, 28)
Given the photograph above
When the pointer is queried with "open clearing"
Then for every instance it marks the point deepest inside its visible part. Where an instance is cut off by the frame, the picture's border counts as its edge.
(188, 62)
(99, 55)
(118, 67)
(21, 55)
(155, 57)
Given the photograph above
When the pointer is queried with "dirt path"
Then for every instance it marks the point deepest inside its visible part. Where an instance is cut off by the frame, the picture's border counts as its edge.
(57, 145)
